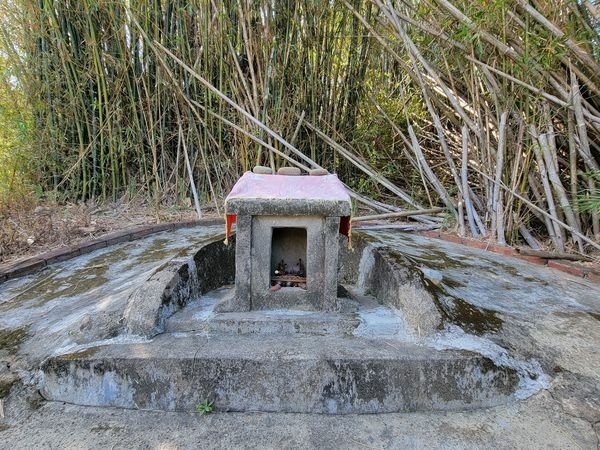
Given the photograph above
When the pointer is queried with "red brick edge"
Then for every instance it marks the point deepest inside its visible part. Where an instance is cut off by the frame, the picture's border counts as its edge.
(562, 265)
(35, 263)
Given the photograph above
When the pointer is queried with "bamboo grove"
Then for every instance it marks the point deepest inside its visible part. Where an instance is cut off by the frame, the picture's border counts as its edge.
(488, 108)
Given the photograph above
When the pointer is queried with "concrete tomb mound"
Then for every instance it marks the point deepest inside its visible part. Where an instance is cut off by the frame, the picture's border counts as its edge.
(284, 316)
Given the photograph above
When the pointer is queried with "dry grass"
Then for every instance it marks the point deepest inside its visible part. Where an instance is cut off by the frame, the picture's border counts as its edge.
(28, 229)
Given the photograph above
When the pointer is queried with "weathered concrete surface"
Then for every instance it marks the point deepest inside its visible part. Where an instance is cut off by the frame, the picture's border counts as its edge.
(535, 313)
(393, 279)
(175, 283)
(317, 295)
(533, 424)
(202, 316)
(283, 195)
(83, 299)
(142, 316)
(396, 284)
(311, 374)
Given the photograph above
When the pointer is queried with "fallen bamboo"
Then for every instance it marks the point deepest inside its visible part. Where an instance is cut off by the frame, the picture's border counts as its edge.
(531, 241)
(553, 255)
(362, 165)
(397, 215)
(401, 227)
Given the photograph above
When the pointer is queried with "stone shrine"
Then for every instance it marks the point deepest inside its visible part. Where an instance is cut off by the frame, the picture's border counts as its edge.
(287, 240)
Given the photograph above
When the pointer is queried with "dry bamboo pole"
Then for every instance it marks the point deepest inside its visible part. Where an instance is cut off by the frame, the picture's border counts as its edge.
(249, 94)
(403, 64)
(397, 215)
(573, 163)
(368, 202)
(497, 202)
(519, 166)
(531, 241)
(488, 37)
(558, 188)
(593, 9)
(205, 161)
(565, 103)
(465, 181)
(583, 56)
(363, 166)
(540, 199)
(584, 148)
(542, 212)
(553, 255)
(190, 172)
(193, 105)
(297, 129)
(412, 48)
(437, 123)
(435, 182)
(154, 45)
(547, 189)
(254, 138)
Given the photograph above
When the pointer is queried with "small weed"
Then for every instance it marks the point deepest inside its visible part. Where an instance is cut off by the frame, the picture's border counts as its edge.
(206, 407)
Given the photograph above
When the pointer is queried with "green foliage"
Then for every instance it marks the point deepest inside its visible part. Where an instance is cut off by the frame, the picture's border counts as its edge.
(15, 136)
(589, 200)
(206, 407)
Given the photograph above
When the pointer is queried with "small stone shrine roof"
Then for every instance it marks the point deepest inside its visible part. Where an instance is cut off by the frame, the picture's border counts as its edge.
(288, 195)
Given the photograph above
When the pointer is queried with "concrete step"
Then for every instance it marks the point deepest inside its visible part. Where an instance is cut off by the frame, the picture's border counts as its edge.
(275, 322)
(307, 374)
(202, 316)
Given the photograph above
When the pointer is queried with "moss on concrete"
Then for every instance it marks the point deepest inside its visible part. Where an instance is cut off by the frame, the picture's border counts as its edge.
(471, 318)
(11, 340)
(6, 383)
(81, 354)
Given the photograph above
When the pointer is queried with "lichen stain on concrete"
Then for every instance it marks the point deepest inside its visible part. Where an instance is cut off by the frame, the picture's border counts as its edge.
(157, 250)
(6, 383)
(79, 282)
(11, 340)
(455, 310)
(113, 255)
(469, 317)
(595, 315)
(434, 259)
(81, 354)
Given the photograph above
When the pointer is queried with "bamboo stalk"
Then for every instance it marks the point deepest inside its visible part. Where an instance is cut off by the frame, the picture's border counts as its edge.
(430, 175)
(531, 241)
(547, 190)
(545, 214)
(397, 215)
(497, 202)
(552, 255)
(558, 187)
(190, 173)
(465, 182)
